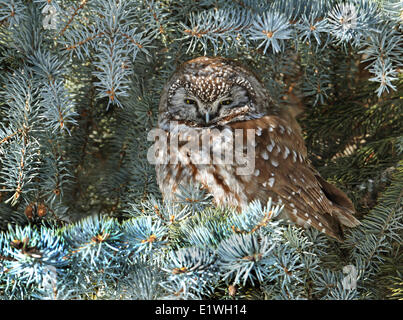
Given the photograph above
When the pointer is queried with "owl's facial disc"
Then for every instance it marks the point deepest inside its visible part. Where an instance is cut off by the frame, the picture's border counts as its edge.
(188, 106)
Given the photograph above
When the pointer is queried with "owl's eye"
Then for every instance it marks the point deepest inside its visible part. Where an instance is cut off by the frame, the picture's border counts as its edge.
(226, 102)
(190, 101)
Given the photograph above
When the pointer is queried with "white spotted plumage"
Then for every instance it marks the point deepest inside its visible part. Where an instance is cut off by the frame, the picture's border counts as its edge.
(281, 168)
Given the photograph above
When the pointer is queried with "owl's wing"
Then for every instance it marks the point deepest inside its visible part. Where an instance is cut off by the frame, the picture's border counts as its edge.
(283, 172)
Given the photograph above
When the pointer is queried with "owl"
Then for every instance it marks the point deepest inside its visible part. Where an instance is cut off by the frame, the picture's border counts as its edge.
(221, 99)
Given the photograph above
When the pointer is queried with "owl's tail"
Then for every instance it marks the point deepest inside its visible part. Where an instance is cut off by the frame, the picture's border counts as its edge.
(344, 208)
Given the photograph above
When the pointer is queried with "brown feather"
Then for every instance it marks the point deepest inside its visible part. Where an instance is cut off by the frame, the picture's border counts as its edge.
(282, 171)
(306, 195)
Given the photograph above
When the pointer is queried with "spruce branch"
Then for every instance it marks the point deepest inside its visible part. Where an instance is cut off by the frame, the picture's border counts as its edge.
(380, 228)
(272, 29)
(81, 215)
(73, 15)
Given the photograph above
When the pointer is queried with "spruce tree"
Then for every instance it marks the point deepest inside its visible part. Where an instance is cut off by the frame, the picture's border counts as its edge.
(81, 216)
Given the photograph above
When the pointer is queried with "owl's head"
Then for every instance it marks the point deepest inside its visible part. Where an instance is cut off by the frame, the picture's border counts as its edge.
(207, 92)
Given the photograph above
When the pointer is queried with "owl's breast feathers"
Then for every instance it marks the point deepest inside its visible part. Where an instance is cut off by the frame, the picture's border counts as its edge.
(281, 171)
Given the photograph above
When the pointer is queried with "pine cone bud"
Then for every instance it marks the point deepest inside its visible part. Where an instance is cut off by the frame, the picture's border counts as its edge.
(29, 211)
(42, 210)
(232, 290)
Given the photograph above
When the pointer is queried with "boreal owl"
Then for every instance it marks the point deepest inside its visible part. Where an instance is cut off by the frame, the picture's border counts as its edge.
(222, 100)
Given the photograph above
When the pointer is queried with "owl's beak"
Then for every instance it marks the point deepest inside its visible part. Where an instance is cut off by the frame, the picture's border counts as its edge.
(207, 117)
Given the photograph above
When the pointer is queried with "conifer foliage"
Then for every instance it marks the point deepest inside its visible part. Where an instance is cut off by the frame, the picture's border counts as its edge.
(81, 216)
